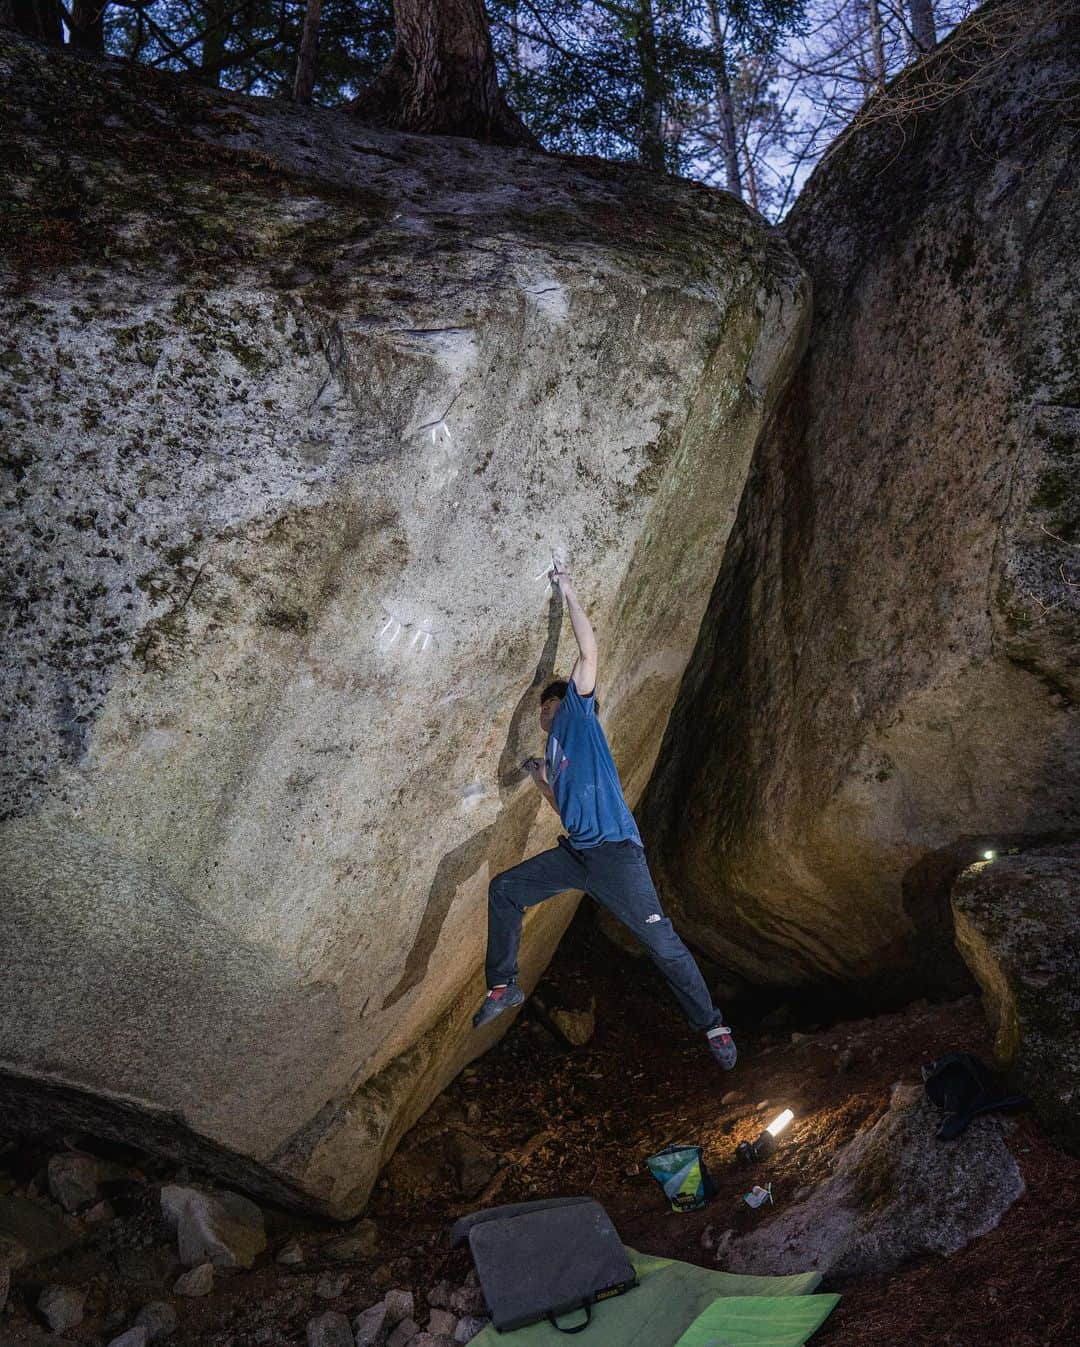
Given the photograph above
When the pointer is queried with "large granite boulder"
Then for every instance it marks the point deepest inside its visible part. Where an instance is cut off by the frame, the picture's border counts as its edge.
(887, 677)
(297, 415)
(1018, 928)
(896, 1193)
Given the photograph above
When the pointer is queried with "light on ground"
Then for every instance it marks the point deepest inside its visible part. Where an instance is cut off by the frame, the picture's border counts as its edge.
(780, 1122)
(751, 1151)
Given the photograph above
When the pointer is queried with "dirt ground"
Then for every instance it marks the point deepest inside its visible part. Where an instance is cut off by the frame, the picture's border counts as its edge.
(582, 1120)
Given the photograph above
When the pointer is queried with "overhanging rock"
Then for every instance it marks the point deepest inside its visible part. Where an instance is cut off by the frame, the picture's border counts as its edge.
(298, 415)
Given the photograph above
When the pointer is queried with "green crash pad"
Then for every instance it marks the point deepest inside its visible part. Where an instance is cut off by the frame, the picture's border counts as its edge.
(671, 1299)
(758, 1321)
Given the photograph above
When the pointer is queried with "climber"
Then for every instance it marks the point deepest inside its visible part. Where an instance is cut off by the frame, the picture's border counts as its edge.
(602, 854)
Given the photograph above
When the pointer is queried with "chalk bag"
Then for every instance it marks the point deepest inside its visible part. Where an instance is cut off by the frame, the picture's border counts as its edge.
(681, 1172)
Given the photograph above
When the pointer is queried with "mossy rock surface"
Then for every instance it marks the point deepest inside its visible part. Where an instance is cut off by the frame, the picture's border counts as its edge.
(1018, 928)
(296, 413)
(888, 676)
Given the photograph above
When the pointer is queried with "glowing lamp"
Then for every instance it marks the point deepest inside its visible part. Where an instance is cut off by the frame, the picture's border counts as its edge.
(989, 855)
(749, 1152)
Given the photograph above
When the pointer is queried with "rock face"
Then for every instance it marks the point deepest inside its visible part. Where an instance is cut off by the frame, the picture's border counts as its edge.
(1018, 928)
(896, 1193)
(297, 415)
(887, 677)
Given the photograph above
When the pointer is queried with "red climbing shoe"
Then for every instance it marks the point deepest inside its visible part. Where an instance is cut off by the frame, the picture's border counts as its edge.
(722, 1046)
(496, 1001)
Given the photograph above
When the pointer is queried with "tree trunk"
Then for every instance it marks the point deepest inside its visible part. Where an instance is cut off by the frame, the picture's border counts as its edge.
(725, 107)
(215, 35)
(88, 25)
(33, 18)
(651, 144)
(751, 180)
(305, 61)
(923, 28)
(441, 78)
(877, 46)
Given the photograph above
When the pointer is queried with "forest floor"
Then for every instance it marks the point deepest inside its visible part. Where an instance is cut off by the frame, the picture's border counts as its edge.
(583, 1120)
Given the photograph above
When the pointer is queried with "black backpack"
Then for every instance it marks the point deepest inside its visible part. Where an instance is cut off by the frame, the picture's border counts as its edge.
(963, 1086)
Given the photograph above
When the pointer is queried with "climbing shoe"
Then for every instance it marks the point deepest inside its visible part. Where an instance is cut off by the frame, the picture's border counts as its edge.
(722, 1046)
(496, 1001)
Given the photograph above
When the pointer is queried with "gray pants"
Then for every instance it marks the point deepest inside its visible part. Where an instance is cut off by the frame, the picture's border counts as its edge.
(617, 875)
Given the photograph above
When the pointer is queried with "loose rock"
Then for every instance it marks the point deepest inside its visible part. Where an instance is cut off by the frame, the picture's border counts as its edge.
(370, 1327)
(469, 1326)
(330, 1330)
(221, 1226)
(475, 1164)
(61, 1307)
(134, 1337)
(403, 1333)
(468, 1300)
(330, 1285)
(291, 1253)
(198, 1282)
(74, 1179)
(158, 1318)
(30, 1232)
(442, 1321)
(399, 1305)
(348, 1248)
(576, 1026)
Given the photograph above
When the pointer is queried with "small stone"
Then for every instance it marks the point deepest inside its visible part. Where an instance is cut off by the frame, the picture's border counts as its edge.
(405, 1332)
(441, 1321)
(292, 1252)
(221, 1226)
(158, 1318)
(732, 1097)
(764, 1103)
(845, 1061)
(370, 1326)
(800, 1038)
(101, 1213)
(329, 1330)
(134, 1337)
(348, 1248)
(61, 1307)
(330, 1285)
(198, 1282)
(576, 1026)
(475, 1164)
(468, 1300)
(469, 1327)
(74, 1179)
(399, 1305)
(708, 1237)
(474, 1114)
(439, 1295)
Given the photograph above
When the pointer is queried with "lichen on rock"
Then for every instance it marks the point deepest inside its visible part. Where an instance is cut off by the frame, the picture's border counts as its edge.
(298, 414)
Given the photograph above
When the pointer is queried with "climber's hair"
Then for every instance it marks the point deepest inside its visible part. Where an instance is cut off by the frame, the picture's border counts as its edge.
(558, 689)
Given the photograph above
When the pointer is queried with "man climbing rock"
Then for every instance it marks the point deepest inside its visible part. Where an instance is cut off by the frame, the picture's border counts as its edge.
(601, 854)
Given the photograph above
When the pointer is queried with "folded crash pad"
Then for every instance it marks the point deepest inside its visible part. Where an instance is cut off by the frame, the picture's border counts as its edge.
(539, 1260)
(758, 1321)
(669, 1299)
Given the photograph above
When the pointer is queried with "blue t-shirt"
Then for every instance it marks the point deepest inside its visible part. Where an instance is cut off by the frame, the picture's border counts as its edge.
(581, 773)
